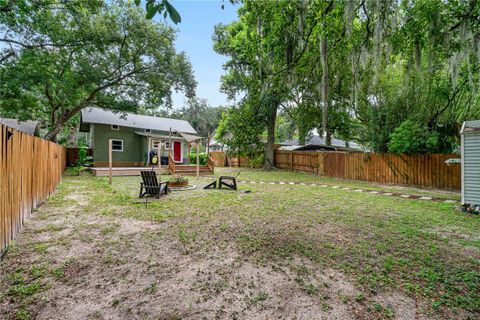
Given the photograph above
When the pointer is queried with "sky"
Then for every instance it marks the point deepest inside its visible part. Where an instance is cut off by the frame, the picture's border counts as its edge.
(194, 36)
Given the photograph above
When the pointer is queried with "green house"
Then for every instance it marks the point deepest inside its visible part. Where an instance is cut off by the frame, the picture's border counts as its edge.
(135, 138)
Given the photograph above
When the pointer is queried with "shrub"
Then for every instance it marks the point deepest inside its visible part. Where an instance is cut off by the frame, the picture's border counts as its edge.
(412, 138)
(257, 161)
(202, 156)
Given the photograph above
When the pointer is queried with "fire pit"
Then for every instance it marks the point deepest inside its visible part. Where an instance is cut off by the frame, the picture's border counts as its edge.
(184, 188)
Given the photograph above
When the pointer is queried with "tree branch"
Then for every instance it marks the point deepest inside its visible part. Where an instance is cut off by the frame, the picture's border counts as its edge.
(7, 56)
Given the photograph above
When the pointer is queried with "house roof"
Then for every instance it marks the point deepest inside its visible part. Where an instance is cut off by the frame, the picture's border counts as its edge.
(471, 126)
(28, 126)
(100, 116)
(316, 140)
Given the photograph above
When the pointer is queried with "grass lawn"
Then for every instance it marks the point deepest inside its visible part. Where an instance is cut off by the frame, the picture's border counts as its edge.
(281, 251)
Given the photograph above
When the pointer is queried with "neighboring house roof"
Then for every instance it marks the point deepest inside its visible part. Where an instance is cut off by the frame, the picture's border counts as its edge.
(29, 127)
(471, 126)
(101, 116)
(316, 140)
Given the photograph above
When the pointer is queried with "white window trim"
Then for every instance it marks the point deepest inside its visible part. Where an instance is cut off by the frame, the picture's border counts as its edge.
(117, 127)
(152, 143)
(113, 150)
(167, 145)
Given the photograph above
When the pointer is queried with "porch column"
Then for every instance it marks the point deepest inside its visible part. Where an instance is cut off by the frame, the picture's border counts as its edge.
(198, 160)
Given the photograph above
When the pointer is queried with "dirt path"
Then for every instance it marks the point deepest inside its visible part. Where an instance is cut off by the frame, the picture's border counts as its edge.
(74, 263)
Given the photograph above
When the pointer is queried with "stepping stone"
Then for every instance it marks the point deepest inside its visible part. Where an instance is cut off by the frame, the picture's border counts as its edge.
(243, 181)
(405, 196)
(252, 182)
(272, 183)
(291, 183)
(425, 198)
(282, 182)
(359, 190)
(323, 186)
(302, 184)
(261, 182)
(313, 184)
(450, 201)
(346, 188)
(386, 194)
(335, 187)
(374, 192)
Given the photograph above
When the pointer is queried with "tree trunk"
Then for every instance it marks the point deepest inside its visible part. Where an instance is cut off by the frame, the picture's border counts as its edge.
(269, 151)
(72, 137)
(208, 144)
(324, 56)
(52, 134)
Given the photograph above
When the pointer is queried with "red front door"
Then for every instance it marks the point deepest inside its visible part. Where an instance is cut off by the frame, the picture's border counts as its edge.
(177, 151)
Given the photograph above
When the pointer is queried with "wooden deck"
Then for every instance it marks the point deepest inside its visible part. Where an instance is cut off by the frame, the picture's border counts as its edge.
(185, 170)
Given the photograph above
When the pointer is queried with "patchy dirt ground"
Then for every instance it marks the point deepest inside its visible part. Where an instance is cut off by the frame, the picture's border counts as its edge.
(78, 259)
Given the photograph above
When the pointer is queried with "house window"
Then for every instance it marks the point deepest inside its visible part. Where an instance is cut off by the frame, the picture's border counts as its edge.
(148, 130)
(117, 145)
(167, 145)
(115, 127)
(155, 144)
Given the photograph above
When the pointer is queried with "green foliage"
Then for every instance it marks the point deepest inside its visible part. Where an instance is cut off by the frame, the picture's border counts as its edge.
(257, 161)
(24, 290)
(200, 115)
(236, 130)
(106, 55)
(411, 138)
(153, 7)
(202, 158)
(73, 171)
(82, 157)
(385, 62)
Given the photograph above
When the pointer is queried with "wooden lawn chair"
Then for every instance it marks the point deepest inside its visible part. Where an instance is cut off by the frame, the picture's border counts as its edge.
(151, 186)
(228, 181)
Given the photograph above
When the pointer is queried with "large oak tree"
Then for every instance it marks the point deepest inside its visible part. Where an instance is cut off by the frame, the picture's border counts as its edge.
(72, 57)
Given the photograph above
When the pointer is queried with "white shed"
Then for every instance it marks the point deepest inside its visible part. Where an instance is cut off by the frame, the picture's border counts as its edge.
(471, 162)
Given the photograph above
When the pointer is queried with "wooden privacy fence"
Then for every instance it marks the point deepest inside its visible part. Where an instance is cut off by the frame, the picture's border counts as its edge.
(427, 170)
(237, 162)
(30, 170)
(219, 158)
(73, 155)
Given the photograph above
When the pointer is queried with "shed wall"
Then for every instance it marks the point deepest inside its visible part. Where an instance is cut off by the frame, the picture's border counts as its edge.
(471, 168)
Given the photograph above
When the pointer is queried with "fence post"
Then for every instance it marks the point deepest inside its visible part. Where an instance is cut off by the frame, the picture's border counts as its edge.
(321, 164)
(291, 160)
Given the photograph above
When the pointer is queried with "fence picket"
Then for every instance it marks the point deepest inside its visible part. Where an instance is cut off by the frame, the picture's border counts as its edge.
(422, 170)
(30, 170)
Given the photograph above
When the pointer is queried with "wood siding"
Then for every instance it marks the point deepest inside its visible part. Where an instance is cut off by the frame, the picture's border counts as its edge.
(30, 170)
(427, 170)
(471, 167)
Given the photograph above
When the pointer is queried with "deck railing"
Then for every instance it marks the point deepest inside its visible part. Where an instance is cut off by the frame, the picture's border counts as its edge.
(171, 164)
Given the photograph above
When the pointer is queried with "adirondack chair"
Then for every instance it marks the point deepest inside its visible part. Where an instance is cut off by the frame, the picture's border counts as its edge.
(228, 181)
(211, 185)
(151, 186)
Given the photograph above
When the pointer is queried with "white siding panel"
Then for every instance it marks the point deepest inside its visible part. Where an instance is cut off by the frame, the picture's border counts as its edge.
(471, 154)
